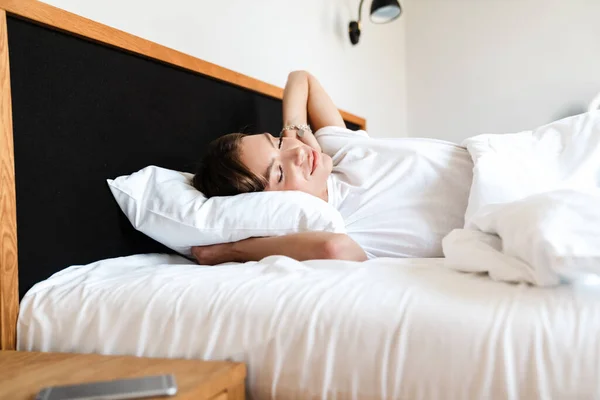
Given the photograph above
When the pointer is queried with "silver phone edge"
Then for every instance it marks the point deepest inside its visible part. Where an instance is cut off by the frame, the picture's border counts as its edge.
(171, 384)
(170, 389)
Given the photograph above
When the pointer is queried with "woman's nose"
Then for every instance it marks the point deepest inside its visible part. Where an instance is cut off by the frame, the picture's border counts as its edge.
(299, 156)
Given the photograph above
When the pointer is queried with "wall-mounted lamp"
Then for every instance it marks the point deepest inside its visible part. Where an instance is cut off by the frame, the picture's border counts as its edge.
(382, 12)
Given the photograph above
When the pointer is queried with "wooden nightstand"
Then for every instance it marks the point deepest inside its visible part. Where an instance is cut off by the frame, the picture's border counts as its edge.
(23, 374)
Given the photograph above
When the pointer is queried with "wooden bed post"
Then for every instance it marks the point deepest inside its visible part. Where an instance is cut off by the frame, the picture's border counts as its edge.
(9, 292)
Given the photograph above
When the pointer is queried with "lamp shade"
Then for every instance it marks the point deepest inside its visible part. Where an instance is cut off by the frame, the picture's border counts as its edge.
(383, 11)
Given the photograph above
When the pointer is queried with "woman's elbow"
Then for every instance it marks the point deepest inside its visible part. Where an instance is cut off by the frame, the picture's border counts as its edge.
(342, 247)
(298, 74)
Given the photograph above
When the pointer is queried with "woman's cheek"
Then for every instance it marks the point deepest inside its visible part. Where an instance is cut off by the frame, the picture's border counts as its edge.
(294, 183)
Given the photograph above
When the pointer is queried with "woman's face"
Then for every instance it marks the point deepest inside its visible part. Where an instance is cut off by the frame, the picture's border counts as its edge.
(287, 164)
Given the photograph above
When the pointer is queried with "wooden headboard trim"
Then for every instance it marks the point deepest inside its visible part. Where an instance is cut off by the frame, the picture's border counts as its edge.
(9, 278)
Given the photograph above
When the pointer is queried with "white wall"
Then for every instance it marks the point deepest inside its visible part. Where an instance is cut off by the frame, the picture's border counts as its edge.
(499, 66)
(266, 39)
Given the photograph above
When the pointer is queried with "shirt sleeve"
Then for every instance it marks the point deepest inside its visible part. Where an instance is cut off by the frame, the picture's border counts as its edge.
(333, 138)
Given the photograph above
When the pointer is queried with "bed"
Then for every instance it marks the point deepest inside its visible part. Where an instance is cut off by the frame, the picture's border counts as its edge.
(82, 102)
(386, 328)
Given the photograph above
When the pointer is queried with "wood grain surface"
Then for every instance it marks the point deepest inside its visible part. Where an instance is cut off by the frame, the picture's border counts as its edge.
(23, 374)
(9, 291)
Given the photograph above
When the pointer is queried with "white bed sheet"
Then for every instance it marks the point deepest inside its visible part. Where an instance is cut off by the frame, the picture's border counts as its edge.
(386, 328)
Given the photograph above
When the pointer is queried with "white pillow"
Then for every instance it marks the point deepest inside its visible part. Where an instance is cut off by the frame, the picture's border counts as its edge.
(164, 205)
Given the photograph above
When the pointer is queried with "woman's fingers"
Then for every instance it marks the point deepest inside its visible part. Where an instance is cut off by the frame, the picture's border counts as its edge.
(308, 138)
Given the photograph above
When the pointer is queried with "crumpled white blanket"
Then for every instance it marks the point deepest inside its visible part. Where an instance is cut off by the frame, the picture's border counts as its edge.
(534, 207)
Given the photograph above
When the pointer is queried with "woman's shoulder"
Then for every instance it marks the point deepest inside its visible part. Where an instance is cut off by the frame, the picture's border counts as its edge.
(341, 132)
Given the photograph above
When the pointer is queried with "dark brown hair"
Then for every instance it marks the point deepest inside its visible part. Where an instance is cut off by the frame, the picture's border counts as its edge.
(222, 173)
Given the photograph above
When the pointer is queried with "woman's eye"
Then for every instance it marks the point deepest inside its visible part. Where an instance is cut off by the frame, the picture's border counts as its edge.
(280, 174)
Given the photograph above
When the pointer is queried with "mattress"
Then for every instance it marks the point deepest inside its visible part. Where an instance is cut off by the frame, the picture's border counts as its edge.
(385, 328)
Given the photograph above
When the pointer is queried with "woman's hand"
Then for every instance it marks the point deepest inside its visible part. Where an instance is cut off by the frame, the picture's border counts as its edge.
(308, 138)
(213, 254)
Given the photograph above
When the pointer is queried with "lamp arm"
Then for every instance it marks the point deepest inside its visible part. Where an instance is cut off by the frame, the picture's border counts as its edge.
(360, 10)
(354, 26)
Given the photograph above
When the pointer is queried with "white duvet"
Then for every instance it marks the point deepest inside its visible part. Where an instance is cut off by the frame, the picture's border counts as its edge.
(534, 206)
(383, 329)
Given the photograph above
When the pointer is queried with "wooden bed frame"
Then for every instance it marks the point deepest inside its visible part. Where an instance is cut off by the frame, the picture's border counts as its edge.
(54, 18)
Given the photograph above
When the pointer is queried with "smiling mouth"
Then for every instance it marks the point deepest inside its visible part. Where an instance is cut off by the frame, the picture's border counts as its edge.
(313, 161)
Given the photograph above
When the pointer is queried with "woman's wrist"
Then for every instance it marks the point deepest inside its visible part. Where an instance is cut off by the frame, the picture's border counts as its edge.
(236, 250)
(295, 129)
(288, 133)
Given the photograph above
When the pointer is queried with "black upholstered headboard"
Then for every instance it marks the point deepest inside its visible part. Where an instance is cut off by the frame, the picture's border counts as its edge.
(91, 103)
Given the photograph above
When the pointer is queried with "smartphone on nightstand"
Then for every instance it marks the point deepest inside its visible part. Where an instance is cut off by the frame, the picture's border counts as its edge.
(121, 389)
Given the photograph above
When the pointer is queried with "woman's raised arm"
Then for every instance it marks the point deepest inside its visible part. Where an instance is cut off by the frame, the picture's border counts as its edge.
(306, 101)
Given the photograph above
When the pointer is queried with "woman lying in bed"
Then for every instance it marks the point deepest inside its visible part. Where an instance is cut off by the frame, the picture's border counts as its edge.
(398, 197)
